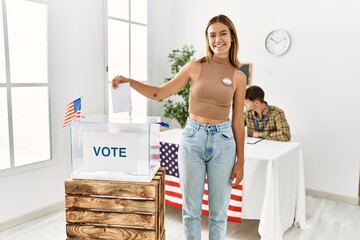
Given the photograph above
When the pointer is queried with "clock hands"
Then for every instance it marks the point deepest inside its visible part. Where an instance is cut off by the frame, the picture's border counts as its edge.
(273, 40)
(284, 38)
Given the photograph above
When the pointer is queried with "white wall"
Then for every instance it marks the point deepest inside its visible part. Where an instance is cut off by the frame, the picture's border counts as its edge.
(317, 82)
(76, 69)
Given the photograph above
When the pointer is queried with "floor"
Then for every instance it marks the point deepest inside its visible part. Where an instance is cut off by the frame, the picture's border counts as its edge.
(327, 220)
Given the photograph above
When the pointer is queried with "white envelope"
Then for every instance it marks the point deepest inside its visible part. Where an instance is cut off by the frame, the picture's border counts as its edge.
(121, 98)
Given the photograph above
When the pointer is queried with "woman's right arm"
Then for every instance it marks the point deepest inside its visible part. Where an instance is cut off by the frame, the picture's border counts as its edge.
(165, 90)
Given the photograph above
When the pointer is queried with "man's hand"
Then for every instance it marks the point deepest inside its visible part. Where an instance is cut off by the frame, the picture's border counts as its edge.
(256, 134)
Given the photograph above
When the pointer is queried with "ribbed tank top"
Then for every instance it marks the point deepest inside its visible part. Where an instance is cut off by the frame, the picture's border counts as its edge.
(209, 96)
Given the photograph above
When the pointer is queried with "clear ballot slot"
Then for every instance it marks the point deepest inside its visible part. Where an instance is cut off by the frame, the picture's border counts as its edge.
(119, 149)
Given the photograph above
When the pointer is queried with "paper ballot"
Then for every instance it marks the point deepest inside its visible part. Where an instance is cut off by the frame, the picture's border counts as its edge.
(121, 98)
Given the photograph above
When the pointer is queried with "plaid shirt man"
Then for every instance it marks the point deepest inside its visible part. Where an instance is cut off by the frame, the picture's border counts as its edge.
(272, 125)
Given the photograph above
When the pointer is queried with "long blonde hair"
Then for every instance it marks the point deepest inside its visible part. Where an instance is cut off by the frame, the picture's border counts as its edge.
(235, 43)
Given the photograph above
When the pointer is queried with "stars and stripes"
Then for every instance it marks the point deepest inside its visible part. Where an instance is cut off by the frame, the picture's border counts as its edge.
(169, 160)
(73, 111)
(155, 152)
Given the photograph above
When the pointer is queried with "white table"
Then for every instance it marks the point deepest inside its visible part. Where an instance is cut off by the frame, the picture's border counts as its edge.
(273, 185)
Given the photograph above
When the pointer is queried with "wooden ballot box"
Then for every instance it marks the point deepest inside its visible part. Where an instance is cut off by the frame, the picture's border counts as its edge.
(101, 209)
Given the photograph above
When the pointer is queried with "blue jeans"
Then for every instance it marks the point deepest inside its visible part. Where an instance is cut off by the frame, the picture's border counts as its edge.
(206, 150)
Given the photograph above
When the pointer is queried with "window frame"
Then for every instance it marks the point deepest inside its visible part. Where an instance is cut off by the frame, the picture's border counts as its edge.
(106, 55)
(8, 85)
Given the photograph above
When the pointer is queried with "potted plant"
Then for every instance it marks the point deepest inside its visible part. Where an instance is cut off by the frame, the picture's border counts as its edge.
(179, 109)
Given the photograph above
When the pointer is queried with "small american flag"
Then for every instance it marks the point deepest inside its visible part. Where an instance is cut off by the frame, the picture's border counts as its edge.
(173, 196)
(73, 111)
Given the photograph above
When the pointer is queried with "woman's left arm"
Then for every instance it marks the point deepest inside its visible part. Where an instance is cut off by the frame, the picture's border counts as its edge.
(238, 125)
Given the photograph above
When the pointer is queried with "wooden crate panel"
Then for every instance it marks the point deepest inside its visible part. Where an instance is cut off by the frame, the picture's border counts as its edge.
(94, 232)
(163, 237)
(113, 204)
(110, 188)
(109, 218)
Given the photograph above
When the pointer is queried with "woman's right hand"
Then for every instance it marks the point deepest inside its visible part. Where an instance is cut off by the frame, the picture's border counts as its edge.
(118, 80)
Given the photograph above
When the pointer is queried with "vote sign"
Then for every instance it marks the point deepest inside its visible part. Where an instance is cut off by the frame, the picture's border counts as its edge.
(110, 151)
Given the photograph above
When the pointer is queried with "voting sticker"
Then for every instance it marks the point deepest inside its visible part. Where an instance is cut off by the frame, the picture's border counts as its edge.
(227, 81)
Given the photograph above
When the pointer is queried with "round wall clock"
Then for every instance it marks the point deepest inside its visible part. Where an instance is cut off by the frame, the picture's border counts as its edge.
(277, 42)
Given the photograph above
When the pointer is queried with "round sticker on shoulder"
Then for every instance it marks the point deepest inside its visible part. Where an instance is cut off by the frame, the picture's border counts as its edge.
(227, 81)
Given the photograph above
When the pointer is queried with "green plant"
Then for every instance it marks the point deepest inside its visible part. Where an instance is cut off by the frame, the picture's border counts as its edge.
(179, 109)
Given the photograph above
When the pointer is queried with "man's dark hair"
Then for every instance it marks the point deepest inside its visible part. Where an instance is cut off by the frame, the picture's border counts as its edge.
(254, 93)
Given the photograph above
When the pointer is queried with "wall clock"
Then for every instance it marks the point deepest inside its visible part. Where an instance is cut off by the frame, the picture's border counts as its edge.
(277, 42)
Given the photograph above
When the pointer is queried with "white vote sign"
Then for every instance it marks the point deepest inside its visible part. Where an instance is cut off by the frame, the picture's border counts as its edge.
(110, 152)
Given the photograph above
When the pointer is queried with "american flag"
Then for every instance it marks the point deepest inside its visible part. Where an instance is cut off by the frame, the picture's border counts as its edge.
(73, 111)
(169, 160)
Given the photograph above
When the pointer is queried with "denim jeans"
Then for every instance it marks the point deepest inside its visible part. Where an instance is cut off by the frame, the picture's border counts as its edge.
(206, 151)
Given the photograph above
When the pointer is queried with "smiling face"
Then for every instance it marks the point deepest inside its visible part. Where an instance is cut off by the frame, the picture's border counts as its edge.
(219, 38)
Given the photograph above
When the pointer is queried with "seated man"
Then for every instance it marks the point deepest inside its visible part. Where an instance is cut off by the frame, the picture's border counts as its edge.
(263, 120)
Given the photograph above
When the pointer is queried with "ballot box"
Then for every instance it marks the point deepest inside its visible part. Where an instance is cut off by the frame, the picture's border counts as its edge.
(114, 148)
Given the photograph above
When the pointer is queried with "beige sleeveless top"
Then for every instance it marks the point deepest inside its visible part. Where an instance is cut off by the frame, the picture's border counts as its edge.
(212, 93)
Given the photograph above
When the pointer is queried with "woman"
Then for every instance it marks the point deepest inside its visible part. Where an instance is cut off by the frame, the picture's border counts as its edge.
(212, 146)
